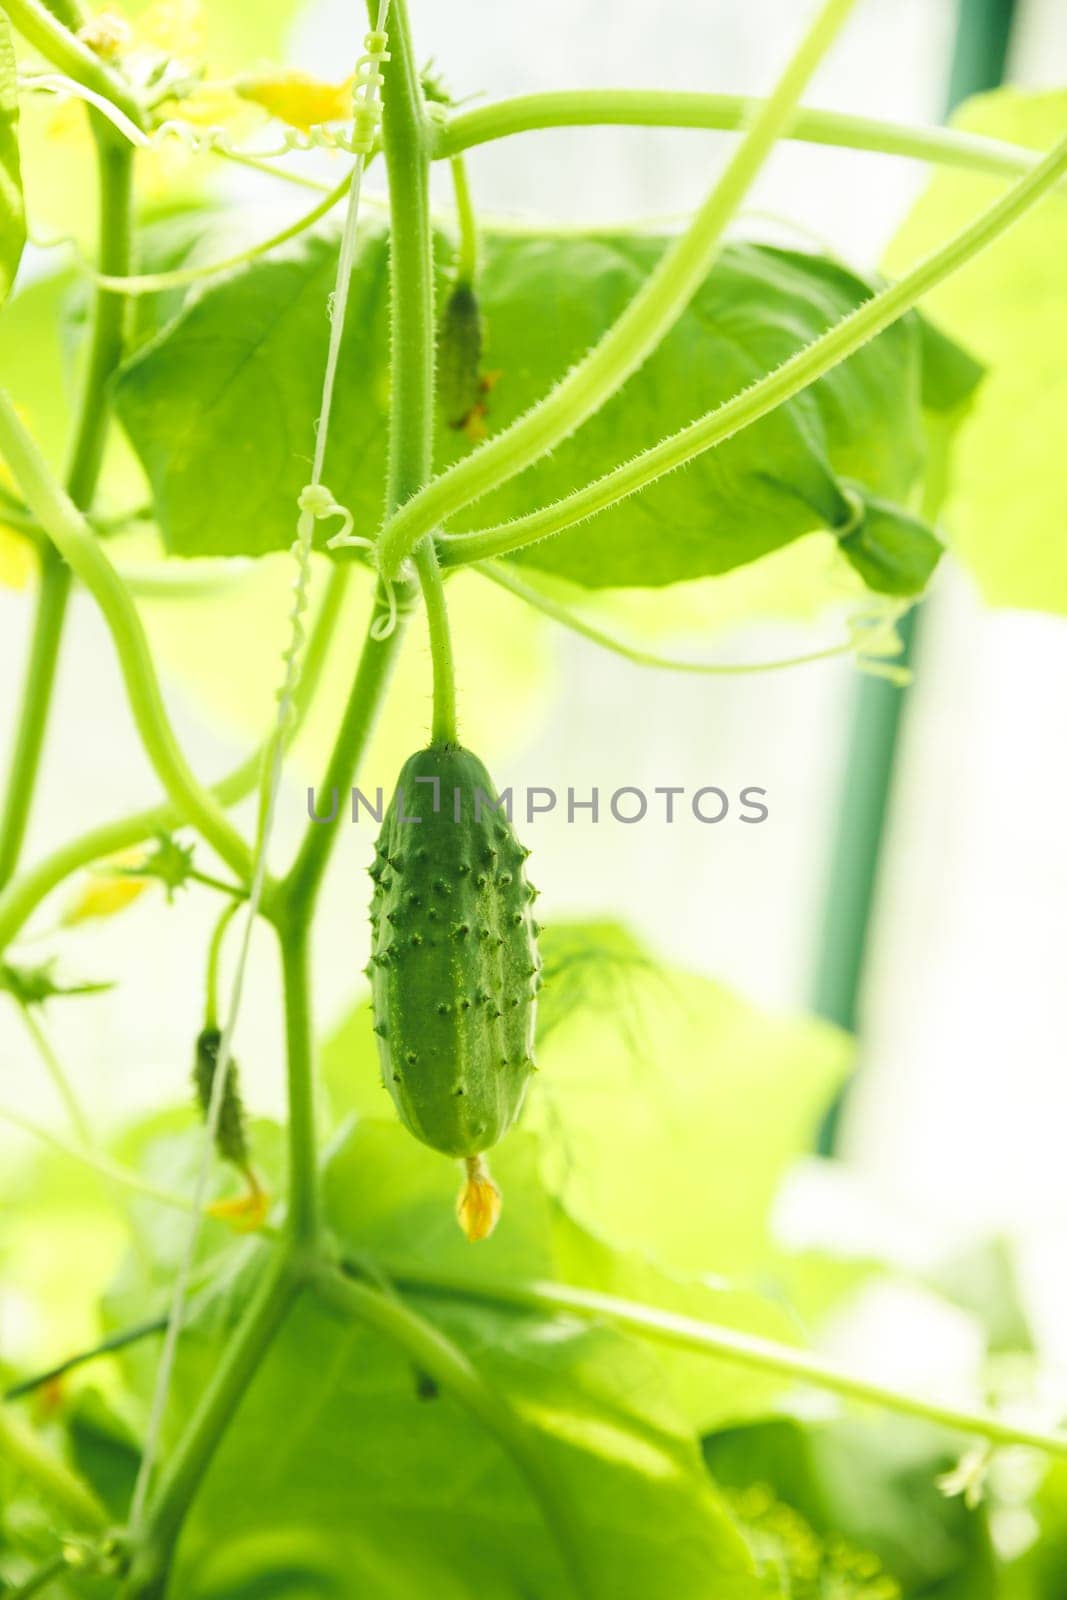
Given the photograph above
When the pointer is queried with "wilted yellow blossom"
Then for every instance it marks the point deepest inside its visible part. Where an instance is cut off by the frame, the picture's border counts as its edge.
(245, 1213)
(479, 1203)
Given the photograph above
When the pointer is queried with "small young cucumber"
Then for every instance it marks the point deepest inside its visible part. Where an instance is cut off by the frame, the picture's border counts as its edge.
(460, 385)
(454, 965)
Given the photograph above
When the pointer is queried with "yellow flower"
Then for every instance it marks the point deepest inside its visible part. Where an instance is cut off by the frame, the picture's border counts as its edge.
(17, 564)
(105, 894)
(298, 99)
(247, 1212)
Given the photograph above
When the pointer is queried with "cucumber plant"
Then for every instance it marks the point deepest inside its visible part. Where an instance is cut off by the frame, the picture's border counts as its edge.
(734, 397)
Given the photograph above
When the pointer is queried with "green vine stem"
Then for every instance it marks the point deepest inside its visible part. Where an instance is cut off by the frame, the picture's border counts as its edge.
(789, 379)
(51, 609)
(94, 1161)
(443, 727)
(303, 1213)
(155, 1538)
(436, 1355)
(115, 175)
(728, 1344)
(295, 896)
(76, 1115)
(466, 223)
(39, 27)
(21, 1449)
(651, 313)
(73, 538)
(665, 108)
(405, 141)
(410, 453)
(109, 1346)
(182, 277)
(497, 572)
(22, 897)
(214, 957)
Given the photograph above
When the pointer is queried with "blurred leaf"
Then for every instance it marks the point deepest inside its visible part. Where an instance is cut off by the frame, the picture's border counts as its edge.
(1005, 506)
(796, 1564)
(985, 1281)
(391, 1198)
(673, 1116)
(1036, 1572)
(873, 1484)
(12, 210)
(219, 402)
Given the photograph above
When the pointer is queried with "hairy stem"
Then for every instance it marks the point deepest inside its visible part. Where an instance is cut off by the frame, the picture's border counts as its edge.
(21, 898)
(681, 108)
(74, 539)
(446, 1364)
(651, 313)
(296, 894)
(727, 1344)
(500, 574)
(180, 277)
(52, 596)
(115, 170)
(410, 448)
(762, 397)
(443, 727)
(405, 140)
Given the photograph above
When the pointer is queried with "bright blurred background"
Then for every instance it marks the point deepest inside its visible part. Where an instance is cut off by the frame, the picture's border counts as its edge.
(955, 1131)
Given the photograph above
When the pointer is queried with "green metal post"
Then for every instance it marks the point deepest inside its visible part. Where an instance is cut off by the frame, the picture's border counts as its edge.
(979, 59)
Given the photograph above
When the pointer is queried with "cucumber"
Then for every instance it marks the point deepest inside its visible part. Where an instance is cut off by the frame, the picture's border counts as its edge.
(231, 1134)
(459, 356)
(454, 965)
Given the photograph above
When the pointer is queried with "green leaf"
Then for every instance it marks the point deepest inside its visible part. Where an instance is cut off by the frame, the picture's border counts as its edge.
(345, 1473)
(12, 210)
(536, 1238)
(221, 405)
(870, 1484)
(341, 1475)
(1004, 510)
(893, 552)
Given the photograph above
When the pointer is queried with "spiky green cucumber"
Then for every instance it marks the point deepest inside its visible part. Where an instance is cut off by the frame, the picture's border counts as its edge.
(454, 964)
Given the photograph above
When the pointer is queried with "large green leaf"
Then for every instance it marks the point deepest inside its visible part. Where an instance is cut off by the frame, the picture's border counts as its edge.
(1004, 510)
(344, 1474)
(221, 405)
(12, 211)
(536, 1238)
(340, 1477)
